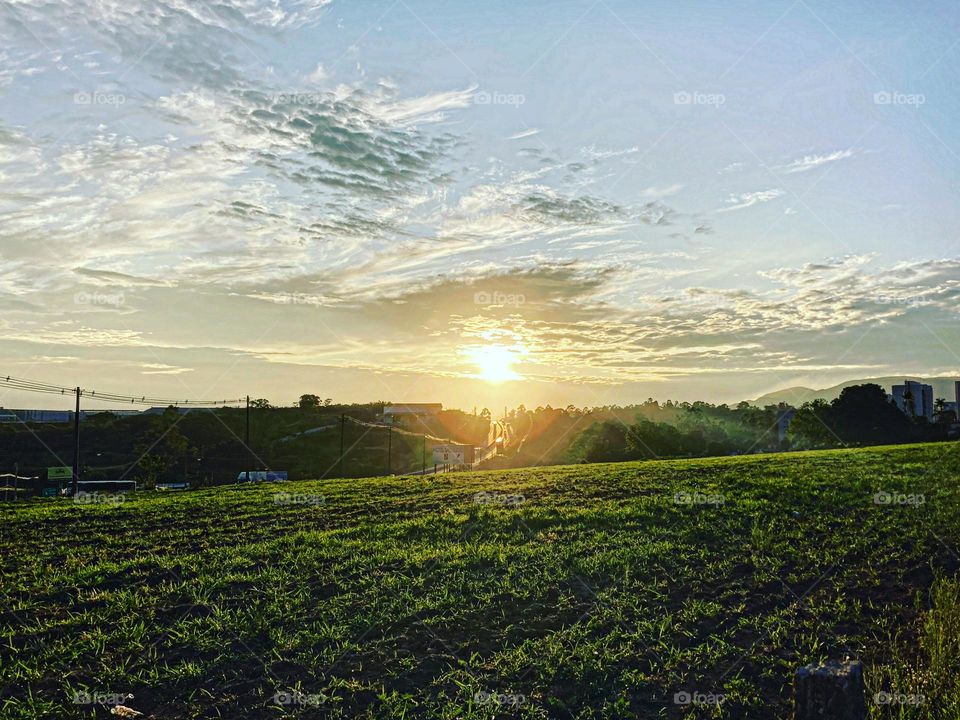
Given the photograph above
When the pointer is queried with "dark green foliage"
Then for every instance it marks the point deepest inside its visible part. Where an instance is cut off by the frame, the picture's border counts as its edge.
(862, 415)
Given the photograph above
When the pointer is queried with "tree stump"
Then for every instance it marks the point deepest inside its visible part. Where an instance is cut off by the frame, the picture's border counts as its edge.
(832, 691)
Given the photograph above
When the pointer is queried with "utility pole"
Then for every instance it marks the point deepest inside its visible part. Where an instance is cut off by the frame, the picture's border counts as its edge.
(76, 445)
(343, 424)
(247, 436)
(423, 457)
(389, 448)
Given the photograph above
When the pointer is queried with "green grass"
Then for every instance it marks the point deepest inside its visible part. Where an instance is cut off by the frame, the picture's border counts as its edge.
(597, 596)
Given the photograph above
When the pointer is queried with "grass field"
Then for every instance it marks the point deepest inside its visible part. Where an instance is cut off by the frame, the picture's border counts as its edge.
(592, 591)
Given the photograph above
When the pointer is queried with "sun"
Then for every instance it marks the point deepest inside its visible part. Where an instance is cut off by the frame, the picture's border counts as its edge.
(495, 363)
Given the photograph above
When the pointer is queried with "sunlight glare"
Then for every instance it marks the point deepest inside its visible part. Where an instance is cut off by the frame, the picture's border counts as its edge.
(495, 363)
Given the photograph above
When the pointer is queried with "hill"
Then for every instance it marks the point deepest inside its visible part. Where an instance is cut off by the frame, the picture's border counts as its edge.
(592, 591)
(942, 387)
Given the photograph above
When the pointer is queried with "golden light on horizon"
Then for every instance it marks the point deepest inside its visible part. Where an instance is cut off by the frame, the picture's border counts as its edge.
(495, 363)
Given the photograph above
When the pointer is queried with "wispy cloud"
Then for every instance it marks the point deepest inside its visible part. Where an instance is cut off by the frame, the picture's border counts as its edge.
(809, 162)
(745, 200)
(658, 193)
(162, 369)
(525, 134)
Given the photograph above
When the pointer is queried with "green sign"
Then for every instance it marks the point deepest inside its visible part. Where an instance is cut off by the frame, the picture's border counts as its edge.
(60, 473)
(50, 492)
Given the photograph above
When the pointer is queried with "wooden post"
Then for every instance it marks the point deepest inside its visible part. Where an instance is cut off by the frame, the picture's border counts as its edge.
(343, 424)
(76, 448)
(389, 450)
(832, 691)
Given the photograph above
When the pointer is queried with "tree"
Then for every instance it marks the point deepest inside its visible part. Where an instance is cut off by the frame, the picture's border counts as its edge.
(261, 403)
(601, 442)
(166, 455)
(862, 415)
(940, 407)
(646, 439)
(810, 426)
(908, 405)
(308, 402)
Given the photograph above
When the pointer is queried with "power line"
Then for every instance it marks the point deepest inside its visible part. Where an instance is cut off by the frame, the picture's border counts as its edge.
(34, 386)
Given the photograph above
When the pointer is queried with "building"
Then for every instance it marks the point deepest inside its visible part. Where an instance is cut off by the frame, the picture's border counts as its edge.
(453, 454)
(393, 413)
(44, 416)
(55, 416)
(914, 398)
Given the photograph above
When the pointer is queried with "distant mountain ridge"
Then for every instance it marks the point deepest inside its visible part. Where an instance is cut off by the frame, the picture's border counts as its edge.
(943, 387)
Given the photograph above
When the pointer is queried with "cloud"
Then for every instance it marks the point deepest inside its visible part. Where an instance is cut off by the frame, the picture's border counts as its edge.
(529, 132)
(318, 74)
(427, 108)
(809, 162)
(118, 279)
(185, 41)
(595, 153)
(745, 200)
(162, 369)
(732, 167)
(352, 223)
(658, 193)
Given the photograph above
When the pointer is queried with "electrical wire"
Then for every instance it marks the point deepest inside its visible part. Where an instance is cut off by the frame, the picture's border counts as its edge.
(35, 386)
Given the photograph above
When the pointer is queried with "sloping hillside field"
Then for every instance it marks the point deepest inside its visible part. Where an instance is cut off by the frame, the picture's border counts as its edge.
(652, 590)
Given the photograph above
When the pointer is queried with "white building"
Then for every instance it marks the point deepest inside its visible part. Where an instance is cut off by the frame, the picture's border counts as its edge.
(391, 413)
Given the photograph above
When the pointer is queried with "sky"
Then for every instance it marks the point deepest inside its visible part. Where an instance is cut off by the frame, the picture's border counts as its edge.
(481, 204)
